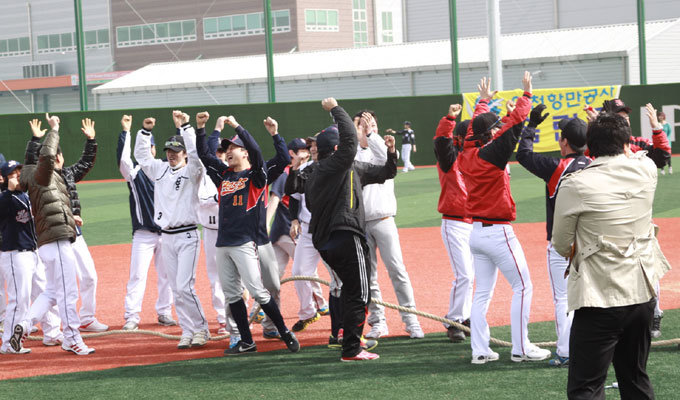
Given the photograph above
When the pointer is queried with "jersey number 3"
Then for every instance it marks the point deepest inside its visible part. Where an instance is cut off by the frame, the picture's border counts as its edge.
(238, 200)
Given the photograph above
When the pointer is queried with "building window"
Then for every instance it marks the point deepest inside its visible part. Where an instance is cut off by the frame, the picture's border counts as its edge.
(244, 24)
(387, 32)
(65, 42)
(163, 32)
(321, 20)
(360, 23)
(15, 47)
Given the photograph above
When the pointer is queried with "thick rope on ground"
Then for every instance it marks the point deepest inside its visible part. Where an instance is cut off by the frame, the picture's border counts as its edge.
(462, 327)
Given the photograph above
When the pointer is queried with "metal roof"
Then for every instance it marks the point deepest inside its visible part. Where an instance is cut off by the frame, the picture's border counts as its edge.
(574, 43)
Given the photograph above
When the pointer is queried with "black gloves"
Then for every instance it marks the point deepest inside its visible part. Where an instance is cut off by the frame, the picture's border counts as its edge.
(535, 117)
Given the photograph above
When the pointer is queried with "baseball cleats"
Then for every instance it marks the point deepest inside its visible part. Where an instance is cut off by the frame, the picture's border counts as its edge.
(166, 320)
(79, 348)
(200, 338)
(94, 326)
(532, 353)
(454, 334)
(323, 311)
(559, 361)
(184, 343)
(656, 326)
(484, 358)
(222, 330)
(291, 341)
(377, 331)
(130, 326)
(240, 348)
(19, 335)
(302, 324)
(9, 350)
(271, 334)
(415, 331)
(362, 356)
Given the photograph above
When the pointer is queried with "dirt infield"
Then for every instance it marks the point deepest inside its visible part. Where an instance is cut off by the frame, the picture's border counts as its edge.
(425, 259)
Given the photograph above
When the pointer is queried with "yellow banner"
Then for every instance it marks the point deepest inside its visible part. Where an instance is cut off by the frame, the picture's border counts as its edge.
(561, 103)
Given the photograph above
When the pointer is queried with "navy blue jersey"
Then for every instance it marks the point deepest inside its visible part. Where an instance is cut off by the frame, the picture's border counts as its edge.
(213, 144)
(139, 185)
(281, 224)
(550, 169)
(275, 167)
(16, 221)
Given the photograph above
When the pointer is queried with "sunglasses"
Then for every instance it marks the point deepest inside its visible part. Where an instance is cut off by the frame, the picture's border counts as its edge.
(173, 144)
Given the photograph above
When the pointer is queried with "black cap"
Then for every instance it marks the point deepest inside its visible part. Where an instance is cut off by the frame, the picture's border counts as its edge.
(574, 130)
(175, 143)
(328, 139)
(9, 167)
(407, 123)
(483, 123)
(618, 105)
(235, 140)
(297, 144)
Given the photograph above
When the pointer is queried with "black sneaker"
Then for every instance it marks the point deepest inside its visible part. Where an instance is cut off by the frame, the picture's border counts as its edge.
(334, 343)
(303, 323)
(291, 341)
(656, 326)
(240, 348)
(467, 324)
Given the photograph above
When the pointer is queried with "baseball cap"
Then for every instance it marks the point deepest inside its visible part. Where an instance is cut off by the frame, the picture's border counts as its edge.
(175, 143)
(297, 144)
(407, 123)
(235, 140)
(483, 123)
(328, 139)
(574, 130)
(619, 105)
(8, 167)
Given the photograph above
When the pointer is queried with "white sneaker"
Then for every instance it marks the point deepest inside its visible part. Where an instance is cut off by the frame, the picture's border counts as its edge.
(184, 343)
(79, 348)
(377, 331)
(531, 353)
(19, 335)
(94, 326)
(200, 338)
(222, 330)
(415, 331)
(411, 168)
(130, 326)
(9, 350)
(404, 170)
(484, 358)
(663, 172)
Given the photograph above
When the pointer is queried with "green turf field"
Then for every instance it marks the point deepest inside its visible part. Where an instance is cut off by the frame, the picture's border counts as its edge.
(107, 216)
(432, 368)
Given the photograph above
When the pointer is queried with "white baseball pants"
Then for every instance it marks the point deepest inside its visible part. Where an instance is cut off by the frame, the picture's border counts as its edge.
(87, 280)
(50, 323)
(406, 157)
(496, 248)
(269, 270)
(209, 240)
(383, 235)
(180, 253)
(18, 268)
(238, 266)
(3, 301)
(146, 245)
(556, 267)
(456, 237)
(305, 262)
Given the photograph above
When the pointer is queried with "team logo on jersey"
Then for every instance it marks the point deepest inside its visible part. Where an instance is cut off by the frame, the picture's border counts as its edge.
(178, 182)
(23, 216)
(229, 187)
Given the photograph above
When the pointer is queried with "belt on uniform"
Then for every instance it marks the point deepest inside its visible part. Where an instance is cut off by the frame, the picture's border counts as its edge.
(22, 250)
(486, 224)
(179, 229)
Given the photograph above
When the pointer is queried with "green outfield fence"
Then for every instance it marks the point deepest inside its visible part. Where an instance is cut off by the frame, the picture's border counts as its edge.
(296, 119)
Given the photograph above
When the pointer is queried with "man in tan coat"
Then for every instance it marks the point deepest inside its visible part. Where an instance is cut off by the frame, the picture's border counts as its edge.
(603, 220)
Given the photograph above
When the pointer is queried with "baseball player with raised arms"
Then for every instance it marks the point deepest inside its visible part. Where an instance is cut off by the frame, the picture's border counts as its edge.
(572, 145)
(493, 243)
(241, 208)
(86, 271)
(175, 192)
(56, 230)
(456, 224)
(146, 235)
(380, 207)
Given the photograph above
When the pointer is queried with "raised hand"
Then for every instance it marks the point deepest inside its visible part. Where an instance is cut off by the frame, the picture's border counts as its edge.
(591, 113)
(53, 121)
(201, 119)
(454, 112)
(149, 123)
(390, 143)
(368, 123)
(535, 117)
(271, 125)
(390, 130)
(329, 103)
(88, 128)
(510, 106)
(35, 128)
(526, 82)
(231, 121)
(653, 118)
(177, 118)
(219, 125)
(126, 122)
(484, 88)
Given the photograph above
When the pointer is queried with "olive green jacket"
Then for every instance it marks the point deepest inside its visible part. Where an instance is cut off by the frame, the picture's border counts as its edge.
(49, 195)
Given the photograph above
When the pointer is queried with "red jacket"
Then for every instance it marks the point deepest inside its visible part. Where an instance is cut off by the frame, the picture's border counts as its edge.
(483, 167)
(453, 195)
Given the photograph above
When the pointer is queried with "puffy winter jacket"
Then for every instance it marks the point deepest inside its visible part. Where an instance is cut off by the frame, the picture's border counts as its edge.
(453, 196)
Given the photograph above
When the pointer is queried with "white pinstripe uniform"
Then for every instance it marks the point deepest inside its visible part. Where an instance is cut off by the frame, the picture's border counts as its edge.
(175, 195)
